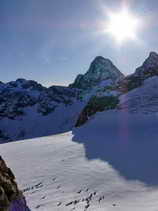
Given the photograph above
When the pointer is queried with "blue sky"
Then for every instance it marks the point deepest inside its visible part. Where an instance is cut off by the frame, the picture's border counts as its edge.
(51, 41)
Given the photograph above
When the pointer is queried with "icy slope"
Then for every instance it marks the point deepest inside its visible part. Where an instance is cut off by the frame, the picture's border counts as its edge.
(58, 174)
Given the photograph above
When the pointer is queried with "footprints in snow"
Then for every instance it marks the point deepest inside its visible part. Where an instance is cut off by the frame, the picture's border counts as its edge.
(34, 187)
(91, 196)
(87, 199)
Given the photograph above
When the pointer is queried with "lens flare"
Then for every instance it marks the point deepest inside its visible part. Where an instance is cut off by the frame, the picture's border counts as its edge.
(122, 26)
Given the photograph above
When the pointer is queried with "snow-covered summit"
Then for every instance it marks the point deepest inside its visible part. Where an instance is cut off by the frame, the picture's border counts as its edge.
(100, 69)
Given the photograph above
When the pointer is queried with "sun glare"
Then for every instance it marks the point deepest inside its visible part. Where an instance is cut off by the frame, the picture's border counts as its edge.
(122, 26)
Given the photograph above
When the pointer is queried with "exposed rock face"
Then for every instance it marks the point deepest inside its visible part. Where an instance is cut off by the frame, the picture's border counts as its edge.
(54, 96)
(102, 77)
(97, 104)
(148, 69)
(100, 69)
(11, 198)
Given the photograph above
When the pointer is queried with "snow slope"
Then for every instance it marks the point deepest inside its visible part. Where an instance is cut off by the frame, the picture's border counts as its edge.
(34, 124)
(143, 99)
(107, 164)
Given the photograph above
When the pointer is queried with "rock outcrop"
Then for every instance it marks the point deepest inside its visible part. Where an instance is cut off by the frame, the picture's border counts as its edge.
(11, 198)
(96, 104)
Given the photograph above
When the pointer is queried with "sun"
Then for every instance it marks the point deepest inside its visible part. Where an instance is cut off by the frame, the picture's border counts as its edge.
(123, 26)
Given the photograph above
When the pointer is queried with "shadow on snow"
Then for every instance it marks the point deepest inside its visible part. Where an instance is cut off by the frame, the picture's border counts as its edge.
(129, 143)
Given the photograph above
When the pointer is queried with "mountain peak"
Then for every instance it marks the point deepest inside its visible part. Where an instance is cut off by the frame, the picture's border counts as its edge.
(152, 60)
(149, 67)
(99, 58)
(102, 60)
(100, 69)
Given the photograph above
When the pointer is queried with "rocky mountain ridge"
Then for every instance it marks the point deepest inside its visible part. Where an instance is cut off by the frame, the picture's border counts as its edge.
(22, 93)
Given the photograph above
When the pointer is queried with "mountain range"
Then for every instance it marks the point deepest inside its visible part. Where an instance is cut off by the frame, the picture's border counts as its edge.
(28, 109)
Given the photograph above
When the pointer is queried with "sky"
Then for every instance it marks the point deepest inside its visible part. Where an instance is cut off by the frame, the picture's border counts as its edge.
(51, 41)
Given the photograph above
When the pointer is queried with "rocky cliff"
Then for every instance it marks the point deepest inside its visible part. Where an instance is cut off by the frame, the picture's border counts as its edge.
(11, 198)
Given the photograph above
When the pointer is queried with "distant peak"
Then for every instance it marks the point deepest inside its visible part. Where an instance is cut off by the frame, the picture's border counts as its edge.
(149, 67)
